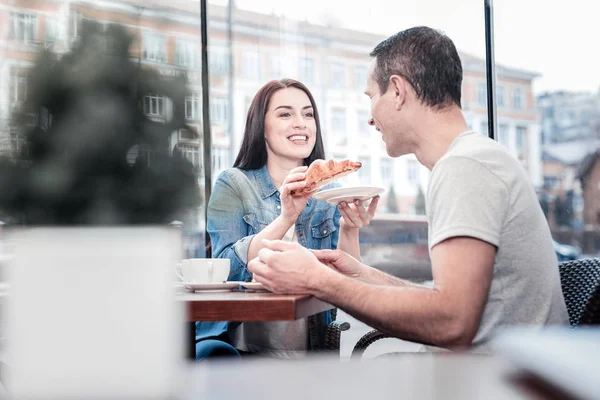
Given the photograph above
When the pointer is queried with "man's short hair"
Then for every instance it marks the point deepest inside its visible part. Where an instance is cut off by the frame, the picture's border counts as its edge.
(427, 59)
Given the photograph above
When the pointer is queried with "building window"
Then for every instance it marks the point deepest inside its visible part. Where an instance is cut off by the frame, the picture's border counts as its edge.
(251, 63)
(518, 98)
(191, 152)
(275, 66)
(23, 26)
(218, 110)
(338, 125)
(500, 96)
(76, 19)
(337, 75)
(192, 108)
(154, 47)
(54, 30)
(503, 134)
(413, 172)
(220, 160)
(364, 173)
(521, 132)
(154, 105)
(18, 87)
(360, 77)
(363, 124)
(387, 171)
(482, 94)
(483, 127)
(187, 55)
(307, 70)
(218, 60)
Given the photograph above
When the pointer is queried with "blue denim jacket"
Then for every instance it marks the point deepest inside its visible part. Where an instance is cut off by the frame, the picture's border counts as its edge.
(242, 204)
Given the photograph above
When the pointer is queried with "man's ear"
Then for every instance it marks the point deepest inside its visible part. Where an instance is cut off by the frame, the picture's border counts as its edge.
(399, 87)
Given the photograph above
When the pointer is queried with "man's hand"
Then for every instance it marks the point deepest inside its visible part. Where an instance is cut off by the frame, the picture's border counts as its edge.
(286, 267)
(341, 262)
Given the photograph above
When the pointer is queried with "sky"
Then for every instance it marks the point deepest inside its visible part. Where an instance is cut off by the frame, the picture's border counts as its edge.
(555, 39)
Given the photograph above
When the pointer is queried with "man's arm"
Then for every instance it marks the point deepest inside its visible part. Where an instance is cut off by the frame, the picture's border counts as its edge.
(447, 315)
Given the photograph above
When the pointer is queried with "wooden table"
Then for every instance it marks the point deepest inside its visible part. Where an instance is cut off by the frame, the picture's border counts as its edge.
(250, 306)
(244, 306)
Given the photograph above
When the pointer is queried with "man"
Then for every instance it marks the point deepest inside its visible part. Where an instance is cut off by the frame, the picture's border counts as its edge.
(492, 257)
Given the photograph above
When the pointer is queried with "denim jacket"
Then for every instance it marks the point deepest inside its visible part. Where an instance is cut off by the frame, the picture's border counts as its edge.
(243, 203)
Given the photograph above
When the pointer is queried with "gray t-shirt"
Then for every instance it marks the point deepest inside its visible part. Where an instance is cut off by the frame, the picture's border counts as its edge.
(478, 189)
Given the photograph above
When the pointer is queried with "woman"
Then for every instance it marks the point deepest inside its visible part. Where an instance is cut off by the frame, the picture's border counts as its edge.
(252, 201)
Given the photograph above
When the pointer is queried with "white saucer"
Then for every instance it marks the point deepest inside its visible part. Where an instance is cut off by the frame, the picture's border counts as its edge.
(348, 194)
(253, 285)
(211, 286)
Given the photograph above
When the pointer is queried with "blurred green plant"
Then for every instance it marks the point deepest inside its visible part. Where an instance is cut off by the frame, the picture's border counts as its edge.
(90, 153)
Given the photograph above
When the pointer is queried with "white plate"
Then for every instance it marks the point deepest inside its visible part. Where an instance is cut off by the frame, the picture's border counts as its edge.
(253, 285)
(348, 194)
(211, 286)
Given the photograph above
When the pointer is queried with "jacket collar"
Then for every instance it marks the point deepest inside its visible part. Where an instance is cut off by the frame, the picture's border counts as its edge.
(264, 182)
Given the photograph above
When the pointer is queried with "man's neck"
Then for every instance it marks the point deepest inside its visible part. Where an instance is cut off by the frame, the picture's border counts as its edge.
(436, 133)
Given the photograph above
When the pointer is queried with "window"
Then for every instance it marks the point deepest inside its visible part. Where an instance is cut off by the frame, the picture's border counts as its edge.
(518, 98)
(76, 18)
(363, 124)
(338, 120)
(251, 64)
(18, 87)
(186, 55)
(413, 172)
(521, 132)
(484, 129)
(481, 94)
(503, 134)
(307, 70)
(192, 107)
(220, 160)
(23, 26)
(218, 61)
(218, 110)
(54, 30)
(500, 96)
(191, 152)
(154, 105)
(337, 74)
(154, 47)
(275, 66)
(364, 173)
(387, 171)
(360, 77)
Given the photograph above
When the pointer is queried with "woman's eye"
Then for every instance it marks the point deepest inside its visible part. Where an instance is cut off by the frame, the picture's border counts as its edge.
(309, 115)
(284, 115)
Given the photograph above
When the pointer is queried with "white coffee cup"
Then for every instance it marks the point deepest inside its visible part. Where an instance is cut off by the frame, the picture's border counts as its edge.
(204, 270)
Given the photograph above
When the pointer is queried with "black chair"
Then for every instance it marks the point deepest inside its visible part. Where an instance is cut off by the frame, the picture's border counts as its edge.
(333, 333)
(580, 282)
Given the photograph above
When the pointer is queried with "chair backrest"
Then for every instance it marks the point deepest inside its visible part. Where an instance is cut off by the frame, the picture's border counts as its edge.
(580, 281)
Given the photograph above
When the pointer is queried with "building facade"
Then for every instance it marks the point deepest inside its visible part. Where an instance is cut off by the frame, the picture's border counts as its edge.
(331, 61)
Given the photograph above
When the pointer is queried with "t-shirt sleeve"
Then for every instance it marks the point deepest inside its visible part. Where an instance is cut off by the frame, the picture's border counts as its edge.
(465, 199)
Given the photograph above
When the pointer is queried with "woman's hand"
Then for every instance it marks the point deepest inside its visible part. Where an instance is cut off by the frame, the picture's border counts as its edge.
(355, 216)
(292, 206)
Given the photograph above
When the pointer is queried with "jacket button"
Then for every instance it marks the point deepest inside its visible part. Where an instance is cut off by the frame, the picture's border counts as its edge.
(278, 207)
(325, 232)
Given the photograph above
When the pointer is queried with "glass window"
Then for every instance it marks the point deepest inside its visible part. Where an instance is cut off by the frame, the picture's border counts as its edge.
(518, 98)
(520, 139)
(187, 55)
(413, 172)
(337, 75)
(192, 107)
(338, 120)
(503, 136)
(387, 171)
(363, 126)
(218, 110)
(251, 64)
(482, 94)
(154, 47)
(364, 173)
(360, 77)
(154, 105)
(55, 30)
(500, 96)
(218, 59)
(307, 70)
(18, 87)
(220, 160)
(23, 26)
